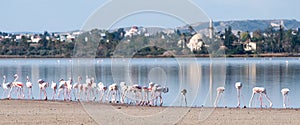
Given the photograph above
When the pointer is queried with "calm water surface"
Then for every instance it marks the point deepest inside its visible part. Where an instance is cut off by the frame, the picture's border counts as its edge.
(200, 76)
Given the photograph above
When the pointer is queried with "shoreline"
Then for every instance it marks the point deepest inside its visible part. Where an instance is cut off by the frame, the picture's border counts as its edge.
(174, 56)
(82, 113)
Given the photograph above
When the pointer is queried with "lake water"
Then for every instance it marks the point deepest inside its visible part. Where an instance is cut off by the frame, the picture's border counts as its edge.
(200, 76)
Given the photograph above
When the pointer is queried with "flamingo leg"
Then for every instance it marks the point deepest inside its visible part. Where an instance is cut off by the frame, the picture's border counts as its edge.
(9, 93)
(260, 99)
(271, 104)
(251, 99)
(40, 93)
(161, 100)
(28, 93)
(238, 97)
(53, 94)
(185, 101)
(101, 96)
(284, 100)
(216, 101)
(3, 93)
(45, 94)
(107, 96)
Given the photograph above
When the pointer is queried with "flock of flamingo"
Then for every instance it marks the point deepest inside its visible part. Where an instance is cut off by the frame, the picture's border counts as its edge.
(89, 91)
(114, 93)
(256, 90)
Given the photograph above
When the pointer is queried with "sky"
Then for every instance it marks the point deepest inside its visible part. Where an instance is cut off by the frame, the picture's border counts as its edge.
(69, 15)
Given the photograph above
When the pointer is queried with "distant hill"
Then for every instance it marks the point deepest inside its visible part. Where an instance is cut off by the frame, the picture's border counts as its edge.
(236, 25)
(246, 25)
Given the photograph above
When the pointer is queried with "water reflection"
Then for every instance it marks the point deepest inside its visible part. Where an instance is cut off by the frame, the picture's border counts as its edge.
(199, 76)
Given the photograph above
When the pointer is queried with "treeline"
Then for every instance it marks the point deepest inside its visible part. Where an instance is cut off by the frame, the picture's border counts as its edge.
(102, 44)
(44, 48)
(270, 40)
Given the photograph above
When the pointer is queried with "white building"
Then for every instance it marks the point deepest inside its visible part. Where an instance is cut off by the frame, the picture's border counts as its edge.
(195, 43)
(250, 46)
(133, 31)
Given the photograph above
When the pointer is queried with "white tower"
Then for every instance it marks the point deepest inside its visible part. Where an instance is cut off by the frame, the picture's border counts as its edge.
(211, 29)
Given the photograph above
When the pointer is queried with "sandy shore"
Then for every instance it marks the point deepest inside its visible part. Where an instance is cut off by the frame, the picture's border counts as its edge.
(76, 113)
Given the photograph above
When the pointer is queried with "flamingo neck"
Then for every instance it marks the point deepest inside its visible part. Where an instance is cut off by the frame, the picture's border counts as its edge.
(16, 79)
(4, 80)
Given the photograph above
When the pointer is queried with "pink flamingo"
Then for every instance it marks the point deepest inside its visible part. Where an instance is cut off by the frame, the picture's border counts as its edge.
(124, 91)
(65, 87)
(19, 86)
(157, 91)
(145, 100)
(29, 86)
(43, 85)
(54, 88)
(238, 86)
(285, 92)
(102, 89)
(6, 86)
(183, 93)
(76, 88)
(261, 91)
(220, 90)
(137, 93)
(112, 93)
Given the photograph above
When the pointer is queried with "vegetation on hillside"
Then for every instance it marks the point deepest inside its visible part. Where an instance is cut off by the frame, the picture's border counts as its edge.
(101, 43)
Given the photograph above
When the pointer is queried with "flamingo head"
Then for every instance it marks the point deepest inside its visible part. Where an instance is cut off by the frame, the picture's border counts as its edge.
(145, 88)
(151, 84)
(16, 75)
(166, 89)
(113, 87)
(285, 91)
(220, 89)
(40, 81)
(156, 85)
(183, 92)
(238, 85)
(122, 84)
(104, 88)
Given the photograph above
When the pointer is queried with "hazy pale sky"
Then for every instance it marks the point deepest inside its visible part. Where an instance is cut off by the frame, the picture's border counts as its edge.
(68, 15)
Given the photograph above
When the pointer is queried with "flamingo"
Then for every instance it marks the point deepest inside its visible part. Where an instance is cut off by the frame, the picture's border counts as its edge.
(5, 85)
(86, 87)
(66, 87)
(238, 86)
(43, 85)
(284, 93)
(101, 88)
(261, 91)
(29, 86)
(124, 91)
(145, 100)
(137, 93)
(61, 88)
(220, 90)
(76, 88)
(93, 88)
(69, 88)
(152, 94)
(157, 90)
(112, 93)
(19, 86)
(54, 88)
(183, 93)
